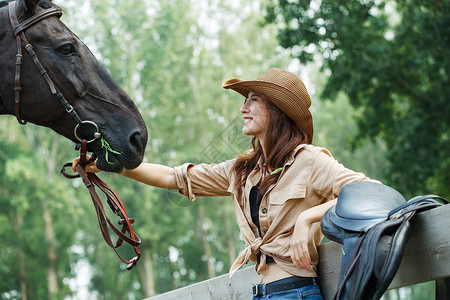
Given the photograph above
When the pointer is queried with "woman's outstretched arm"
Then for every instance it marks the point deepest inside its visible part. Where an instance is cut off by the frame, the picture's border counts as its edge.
(151, 174)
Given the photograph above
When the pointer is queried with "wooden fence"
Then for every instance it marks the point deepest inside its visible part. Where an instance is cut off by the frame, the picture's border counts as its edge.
(426, 258)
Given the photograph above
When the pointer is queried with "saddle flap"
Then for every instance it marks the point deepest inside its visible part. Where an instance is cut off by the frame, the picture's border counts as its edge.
(381, 253)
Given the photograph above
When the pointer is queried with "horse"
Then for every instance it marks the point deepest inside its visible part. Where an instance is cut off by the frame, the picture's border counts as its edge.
(62, 86)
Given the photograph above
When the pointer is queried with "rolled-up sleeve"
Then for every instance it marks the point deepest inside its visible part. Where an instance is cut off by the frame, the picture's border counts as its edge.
(204, 179)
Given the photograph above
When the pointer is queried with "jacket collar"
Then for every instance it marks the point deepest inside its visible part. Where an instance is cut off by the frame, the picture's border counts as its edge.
(255, 176)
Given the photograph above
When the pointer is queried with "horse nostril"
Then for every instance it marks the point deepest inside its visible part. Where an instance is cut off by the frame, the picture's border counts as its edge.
(137, 142)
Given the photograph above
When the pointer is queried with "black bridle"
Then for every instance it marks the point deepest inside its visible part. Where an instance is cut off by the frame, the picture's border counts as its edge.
(126, 233)
(19, 32)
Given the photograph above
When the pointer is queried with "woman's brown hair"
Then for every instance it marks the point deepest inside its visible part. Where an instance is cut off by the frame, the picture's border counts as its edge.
(282, 136)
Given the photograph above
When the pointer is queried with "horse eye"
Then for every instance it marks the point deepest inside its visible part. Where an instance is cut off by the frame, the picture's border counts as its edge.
(66, 49)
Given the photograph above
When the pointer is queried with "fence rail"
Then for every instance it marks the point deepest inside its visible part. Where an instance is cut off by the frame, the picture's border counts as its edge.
(426, 258)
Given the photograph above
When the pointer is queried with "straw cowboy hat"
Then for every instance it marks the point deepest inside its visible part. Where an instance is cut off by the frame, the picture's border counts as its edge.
(285, 90)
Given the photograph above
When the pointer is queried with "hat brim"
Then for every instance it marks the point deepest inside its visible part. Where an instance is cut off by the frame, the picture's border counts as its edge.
(283, 98)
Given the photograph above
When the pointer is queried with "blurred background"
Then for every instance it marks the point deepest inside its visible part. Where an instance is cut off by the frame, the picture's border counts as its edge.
(378, 75)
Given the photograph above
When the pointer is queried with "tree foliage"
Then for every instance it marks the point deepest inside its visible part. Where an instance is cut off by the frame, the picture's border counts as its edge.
(392, 59)
(171, 57)
(38, 213)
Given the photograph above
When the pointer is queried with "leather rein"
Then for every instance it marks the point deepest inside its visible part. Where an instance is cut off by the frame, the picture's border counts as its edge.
(90, 180)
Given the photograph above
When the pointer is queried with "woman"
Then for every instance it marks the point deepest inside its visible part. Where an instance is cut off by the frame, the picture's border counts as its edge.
(280, 188)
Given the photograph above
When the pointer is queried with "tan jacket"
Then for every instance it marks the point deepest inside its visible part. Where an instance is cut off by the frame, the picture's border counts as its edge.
(310, 177)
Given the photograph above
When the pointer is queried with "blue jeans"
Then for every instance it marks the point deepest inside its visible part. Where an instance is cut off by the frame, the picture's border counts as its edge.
(310, 292)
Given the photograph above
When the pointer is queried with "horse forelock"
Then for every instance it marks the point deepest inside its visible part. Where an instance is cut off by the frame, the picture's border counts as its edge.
(43, 3)
(47, 4)
(24, 12)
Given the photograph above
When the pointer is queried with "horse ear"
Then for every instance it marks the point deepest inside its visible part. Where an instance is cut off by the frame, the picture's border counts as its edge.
(29, 6)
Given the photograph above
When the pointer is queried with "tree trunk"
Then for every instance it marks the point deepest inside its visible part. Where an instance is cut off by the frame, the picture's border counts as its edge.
(23, 282)
(52, 284)
(172, 269)
(16, 224)
(206, 245)
(146, 272)
(230, 240)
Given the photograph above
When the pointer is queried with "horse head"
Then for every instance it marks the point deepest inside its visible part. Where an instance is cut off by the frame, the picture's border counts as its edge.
(69, 72)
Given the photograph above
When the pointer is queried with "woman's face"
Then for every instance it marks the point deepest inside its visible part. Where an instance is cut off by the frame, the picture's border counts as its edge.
(256, 116)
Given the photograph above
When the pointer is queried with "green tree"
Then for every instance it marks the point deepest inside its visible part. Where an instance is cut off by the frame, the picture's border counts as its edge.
(172, 56)
(38, 214)
(392, 59)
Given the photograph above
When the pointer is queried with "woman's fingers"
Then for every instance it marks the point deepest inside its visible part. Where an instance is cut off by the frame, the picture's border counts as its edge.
(300, 254)
(91, 168)
(75, 162)
(299, 244)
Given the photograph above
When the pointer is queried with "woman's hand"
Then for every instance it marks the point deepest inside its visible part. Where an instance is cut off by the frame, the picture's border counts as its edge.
(91, 168)
(299, 243)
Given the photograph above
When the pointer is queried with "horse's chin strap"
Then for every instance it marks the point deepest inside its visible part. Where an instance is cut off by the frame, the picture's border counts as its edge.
(114, 202)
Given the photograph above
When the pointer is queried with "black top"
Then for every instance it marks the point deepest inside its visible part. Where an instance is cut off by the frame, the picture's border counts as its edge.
(255, 201)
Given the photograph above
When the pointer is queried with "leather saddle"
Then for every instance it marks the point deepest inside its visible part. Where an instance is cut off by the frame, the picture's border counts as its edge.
(371, 221)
